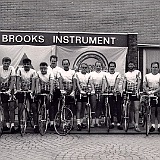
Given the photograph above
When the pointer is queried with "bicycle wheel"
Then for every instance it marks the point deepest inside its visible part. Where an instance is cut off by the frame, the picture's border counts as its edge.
(1, 121)
(43, 120)
(63, 121)
(88, 117)
(148, 118)
(126, 118)
(23, 123)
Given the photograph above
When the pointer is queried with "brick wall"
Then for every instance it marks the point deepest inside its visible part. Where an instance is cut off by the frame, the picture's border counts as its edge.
(137, 16)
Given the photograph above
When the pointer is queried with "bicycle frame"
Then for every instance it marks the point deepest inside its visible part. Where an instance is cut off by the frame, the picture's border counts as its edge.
(107, 108)
(25, 114)
(43, 115)
(61, 118)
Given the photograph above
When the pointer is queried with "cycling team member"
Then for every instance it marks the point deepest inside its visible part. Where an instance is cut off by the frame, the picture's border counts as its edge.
(132, 81)
(44, 84)
(26, 77)
(55, 70)
(67, 84)
(113, 79)
(82, 80)
(97, 80)
(7, 81)
(151, 86)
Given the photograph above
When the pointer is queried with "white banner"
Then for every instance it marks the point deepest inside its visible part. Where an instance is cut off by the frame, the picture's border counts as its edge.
(76, 55)
(37, 54)
(90, 54)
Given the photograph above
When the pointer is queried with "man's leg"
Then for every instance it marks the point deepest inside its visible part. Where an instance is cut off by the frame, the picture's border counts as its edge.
(12, 115)
(5, 106)
(112, 109)
(35, 116)
(79, 106)
(93, 109)
(136, 106)
(119, 111)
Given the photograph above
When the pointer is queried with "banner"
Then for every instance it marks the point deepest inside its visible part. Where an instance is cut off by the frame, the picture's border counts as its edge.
(63, 38)
(91, 54)
(37, 54)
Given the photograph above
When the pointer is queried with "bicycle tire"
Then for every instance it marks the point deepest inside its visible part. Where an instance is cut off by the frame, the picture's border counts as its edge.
(1, 121)
(43, 120)
(23, 123)
(63, 122)
(126, 118)
(88, 118)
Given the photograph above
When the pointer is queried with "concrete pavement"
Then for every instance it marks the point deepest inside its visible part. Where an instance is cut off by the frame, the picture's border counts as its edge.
(80, 147)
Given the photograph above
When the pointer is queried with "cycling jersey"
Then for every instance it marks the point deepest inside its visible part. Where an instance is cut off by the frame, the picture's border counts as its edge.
(5, 77)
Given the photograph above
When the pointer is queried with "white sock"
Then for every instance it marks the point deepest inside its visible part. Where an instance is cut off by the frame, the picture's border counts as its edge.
(158, 125)
(8, 125)
(97, 121)
(118, 124)
(12, 125)
(51, 122)
(153, 125)
(78, 121)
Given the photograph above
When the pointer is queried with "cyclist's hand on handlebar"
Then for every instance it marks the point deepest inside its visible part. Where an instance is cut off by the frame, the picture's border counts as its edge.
(8, 92)
(63, 91)
(82, 92)
(151, 92)
(72, 93)
(93, 92)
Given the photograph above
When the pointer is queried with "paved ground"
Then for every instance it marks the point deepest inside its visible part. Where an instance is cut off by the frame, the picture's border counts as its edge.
(80, 146)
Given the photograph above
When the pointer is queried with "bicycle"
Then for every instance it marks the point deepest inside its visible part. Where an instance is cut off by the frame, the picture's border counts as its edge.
(2, 111)
(147, 109)
(26, 115)
(43, 115)
(126, 108)
(107, 110)
(63, 122)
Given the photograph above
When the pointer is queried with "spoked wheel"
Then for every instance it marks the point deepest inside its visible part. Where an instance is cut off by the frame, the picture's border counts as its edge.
(63, 122)
(23, 123)
(1, 121)
(88, 117)
(126, 118)
(43, 122)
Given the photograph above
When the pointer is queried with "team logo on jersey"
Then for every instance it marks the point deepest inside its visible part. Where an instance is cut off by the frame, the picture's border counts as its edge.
(90, 57)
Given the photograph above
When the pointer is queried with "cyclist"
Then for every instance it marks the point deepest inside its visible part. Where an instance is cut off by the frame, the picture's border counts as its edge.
(113, 79)
(44, 84)
(151, 86)
(7, 81)
(97, 81)
(82, 79)
(67, 84)
(131, 83)
(26, 77)
(55, 70)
